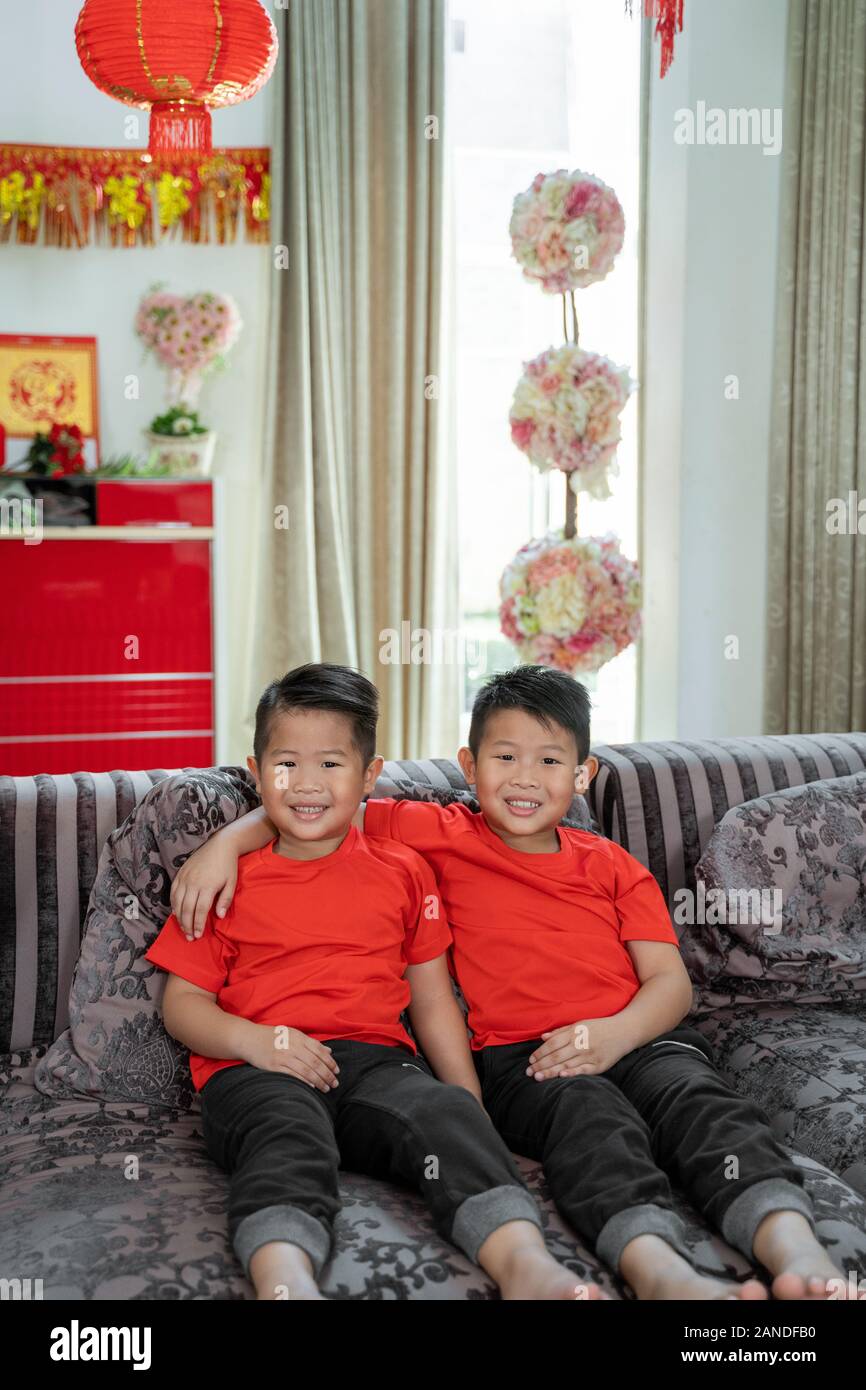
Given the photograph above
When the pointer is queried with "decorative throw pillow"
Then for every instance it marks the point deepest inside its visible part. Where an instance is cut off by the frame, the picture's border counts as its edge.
(783, 884)
(116, 1047)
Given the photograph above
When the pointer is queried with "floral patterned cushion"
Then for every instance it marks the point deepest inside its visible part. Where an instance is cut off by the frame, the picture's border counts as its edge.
(809, 844)
(116, 1046)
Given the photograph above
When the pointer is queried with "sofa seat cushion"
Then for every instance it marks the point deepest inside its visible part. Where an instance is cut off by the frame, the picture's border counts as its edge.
(76, 1213)
(805, 1066)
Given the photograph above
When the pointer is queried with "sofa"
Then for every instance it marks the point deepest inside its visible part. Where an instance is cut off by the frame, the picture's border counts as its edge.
(106, 1190)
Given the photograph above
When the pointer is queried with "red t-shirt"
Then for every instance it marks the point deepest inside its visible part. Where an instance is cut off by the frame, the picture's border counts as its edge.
(319, 945)
(538, 938)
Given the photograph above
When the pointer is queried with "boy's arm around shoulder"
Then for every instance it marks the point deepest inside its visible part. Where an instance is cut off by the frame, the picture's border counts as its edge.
(209, 877)
(212, 870)
(426, 826)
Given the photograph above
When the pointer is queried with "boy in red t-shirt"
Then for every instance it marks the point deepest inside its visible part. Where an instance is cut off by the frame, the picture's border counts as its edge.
(570, 967)
(291, 1006)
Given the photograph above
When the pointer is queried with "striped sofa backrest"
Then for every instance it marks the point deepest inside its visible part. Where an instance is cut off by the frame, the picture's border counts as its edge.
(52, 832)
(661, 801)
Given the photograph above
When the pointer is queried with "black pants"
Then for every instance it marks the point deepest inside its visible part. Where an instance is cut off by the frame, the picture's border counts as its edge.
(283, 1142)
(611, 1142)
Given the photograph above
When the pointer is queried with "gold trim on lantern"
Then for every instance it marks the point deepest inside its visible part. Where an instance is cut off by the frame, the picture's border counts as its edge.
(219, 39)
(177, 85)
(225, 93)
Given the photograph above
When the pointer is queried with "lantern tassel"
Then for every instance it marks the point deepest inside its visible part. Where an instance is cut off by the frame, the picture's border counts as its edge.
(180, 127)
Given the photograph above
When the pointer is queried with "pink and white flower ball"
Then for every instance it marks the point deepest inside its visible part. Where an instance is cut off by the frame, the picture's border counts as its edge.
(188, 334)
(566, 230)
(571, 604)
(566, 414)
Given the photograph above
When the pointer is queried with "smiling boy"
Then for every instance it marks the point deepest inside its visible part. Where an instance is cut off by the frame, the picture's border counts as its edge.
(576, 991)
(291, 1006)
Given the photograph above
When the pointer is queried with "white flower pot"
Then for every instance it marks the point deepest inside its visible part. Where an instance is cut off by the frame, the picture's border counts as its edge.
(185, 455)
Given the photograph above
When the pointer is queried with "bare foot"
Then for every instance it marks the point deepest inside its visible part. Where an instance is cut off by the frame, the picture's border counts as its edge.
(533, 1273)
(689, 1284)
(787, 1246)
(655, 1270)
(280, 1270)
(803, 1282)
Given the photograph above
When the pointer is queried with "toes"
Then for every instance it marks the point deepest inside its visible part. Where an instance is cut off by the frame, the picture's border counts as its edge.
(819, 1287)
(753, 1289)
(789, 1285)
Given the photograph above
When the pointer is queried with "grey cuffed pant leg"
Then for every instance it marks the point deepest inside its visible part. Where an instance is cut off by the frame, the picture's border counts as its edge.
(287, 1223)
(745, 1214)
(647, 1219)
(479, 1216)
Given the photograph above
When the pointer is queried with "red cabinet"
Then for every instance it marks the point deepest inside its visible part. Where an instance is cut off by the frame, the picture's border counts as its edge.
(107, 635)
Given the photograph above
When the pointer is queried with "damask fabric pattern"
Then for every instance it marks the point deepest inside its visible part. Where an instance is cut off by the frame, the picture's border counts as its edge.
(72, 1218)
(804, 852)
(805, 1066)
(784, 1004)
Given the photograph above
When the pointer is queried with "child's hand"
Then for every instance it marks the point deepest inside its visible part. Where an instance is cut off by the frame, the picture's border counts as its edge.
(585, 1048)
(300, 1055)
(212, 870)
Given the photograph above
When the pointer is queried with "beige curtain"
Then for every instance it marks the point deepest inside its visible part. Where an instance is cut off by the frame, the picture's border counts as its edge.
(816, 633)
(355, 455)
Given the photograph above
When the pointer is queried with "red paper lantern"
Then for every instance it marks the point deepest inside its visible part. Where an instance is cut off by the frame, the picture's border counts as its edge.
(177, 58)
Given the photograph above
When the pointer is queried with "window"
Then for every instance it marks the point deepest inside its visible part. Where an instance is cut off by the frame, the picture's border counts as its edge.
(533, 88)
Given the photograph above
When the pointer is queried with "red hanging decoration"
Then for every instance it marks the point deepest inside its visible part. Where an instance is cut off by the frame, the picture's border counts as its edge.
(52, 195)
(177, 59)
(668, 15)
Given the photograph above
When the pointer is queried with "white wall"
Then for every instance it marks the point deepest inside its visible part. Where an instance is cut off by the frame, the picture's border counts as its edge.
(711, 227)
(45, 98)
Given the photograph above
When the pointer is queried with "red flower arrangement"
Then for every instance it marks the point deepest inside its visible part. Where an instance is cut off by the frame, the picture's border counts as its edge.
(57, 453)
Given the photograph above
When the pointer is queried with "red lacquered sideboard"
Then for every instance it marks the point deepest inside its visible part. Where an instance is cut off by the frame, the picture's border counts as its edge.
(108, 633)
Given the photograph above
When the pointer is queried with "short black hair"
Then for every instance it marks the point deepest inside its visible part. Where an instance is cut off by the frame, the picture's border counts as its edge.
(548, 694)
(321, 685)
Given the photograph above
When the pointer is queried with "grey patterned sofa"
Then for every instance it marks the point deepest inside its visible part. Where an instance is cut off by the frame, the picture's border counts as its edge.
(106, 1191)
